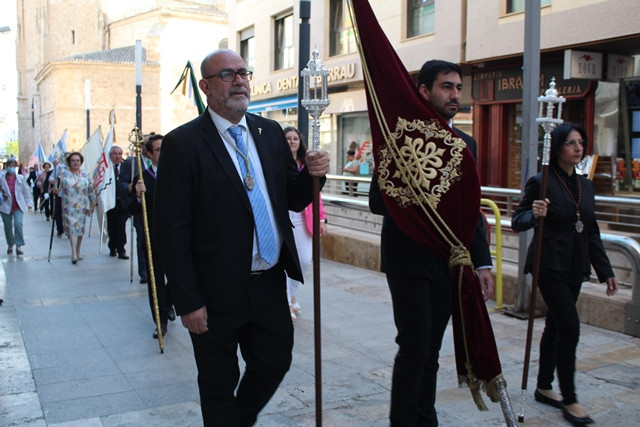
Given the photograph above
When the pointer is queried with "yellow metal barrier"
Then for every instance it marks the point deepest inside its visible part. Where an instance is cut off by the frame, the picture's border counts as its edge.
(497, 252)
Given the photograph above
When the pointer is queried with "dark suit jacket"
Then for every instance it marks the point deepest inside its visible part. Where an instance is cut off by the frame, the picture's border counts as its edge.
(563, 250)
(401, 255)
(122, 183)
(203, 218)
(135, 207)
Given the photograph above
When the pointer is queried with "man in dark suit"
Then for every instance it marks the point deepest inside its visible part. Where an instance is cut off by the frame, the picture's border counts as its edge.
(226, 181)
(419, 280)
(148, 186)
(117, 216)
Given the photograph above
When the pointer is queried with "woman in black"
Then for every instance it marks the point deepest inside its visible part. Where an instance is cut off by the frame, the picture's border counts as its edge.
(571, 244)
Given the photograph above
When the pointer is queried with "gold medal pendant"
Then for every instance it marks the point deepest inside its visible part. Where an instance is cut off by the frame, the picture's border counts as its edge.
(249, 182)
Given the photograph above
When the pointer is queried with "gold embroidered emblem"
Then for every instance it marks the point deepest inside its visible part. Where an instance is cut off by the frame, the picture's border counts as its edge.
(419, 163)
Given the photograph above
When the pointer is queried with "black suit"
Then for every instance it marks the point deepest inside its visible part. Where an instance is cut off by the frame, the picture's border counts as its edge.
(164, 299)
(419, 282)
(117, 217)
(566, 259)
(206, 242)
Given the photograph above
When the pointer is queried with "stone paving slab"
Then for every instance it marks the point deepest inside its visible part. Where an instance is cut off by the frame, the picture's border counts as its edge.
(76, 342)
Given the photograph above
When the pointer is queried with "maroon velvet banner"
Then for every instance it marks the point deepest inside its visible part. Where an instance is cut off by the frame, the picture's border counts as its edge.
(430, 186)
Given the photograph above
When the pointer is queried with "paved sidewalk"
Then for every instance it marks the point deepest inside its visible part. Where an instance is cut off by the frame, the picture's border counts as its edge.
(76, 350)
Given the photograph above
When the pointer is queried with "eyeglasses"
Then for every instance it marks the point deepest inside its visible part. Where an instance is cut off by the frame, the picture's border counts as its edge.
(229, 75)
(575, 142)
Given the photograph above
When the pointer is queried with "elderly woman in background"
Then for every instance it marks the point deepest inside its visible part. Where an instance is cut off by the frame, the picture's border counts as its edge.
(571, 244)
(17, 198)
(78, 199)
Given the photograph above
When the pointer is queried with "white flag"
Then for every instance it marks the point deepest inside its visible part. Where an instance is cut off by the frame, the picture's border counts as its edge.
(92, 152)
(104, 181)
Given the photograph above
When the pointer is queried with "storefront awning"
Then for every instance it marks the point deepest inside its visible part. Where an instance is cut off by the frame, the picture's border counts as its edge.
(273, 104)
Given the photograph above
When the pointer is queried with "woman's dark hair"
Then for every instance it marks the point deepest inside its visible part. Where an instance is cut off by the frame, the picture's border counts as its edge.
(351, 153)
(302, 149)
(68, 158)
(559, 136)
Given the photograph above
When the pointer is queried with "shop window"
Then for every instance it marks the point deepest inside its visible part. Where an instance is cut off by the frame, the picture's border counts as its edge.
(284, 52)
(248, 47)
(420, 17)
(517, 6)
(342, 39)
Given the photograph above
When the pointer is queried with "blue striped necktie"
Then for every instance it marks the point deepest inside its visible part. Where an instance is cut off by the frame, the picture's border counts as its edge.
(266, 238)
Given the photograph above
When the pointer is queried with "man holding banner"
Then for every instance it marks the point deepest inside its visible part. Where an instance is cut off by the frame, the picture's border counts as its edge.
(433, 247)
(419, 280)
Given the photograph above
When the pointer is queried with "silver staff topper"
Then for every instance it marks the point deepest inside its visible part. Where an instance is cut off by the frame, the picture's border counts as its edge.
(315, 97)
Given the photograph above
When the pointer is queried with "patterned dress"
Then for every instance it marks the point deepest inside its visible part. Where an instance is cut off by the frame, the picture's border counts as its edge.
(76, 191)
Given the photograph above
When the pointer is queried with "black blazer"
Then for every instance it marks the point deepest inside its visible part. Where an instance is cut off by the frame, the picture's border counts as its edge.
(135, 207)
(122, 183)
(203, 219)
(401, 255)
(563, 250)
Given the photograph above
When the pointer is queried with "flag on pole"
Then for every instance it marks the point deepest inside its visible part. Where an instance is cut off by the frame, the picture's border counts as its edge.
(59, 149)
(92, 152)
(190, 87)
(429, 183)
(104, 182)
(38, 155)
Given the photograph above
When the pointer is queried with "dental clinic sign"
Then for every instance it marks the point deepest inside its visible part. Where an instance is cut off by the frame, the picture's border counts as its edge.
(582, 65)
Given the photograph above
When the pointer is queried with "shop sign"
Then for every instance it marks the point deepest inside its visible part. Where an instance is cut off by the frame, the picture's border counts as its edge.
(619, 66)
(289, 84)
(507, 84)
(582, 65)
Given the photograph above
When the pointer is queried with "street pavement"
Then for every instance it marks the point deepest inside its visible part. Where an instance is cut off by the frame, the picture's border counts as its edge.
(76, 351)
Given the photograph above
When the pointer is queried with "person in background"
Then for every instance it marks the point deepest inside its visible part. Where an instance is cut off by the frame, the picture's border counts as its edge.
(42, 183)
(147, 185)
(17, 198)
(302, 223)
(77, 201)
(32, 181)
(571, 244)
(226, 181)
(56, 205)
(118, 215)
(351, 169)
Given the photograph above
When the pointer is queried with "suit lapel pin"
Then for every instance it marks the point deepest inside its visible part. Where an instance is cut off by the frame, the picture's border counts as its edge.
(260, 131)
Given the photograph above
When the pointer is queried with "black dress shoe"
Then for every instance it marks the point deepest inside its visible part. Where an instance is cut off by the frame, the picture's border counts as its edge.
(122, 256)
(576, 421)
(172, 314)
(546, 400)
(164, 331)
(112, 252)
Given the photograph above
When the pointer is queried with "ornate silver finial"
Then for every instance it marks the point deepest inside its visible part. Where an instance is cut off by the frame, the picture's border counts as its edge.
(315, 97)
(546, 118)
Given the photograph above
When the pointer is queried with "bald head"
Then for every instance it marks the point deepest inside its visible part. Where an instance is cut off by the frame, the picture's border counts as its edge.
(229, 99)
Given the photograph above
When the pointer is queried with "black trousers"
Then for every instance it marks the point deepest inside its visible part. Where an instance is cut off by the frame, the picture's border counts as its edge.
(138, 224)
(116, 223)
(58, 215)
(561, 334)
(264, 332)
(421, 311)
(162, 291)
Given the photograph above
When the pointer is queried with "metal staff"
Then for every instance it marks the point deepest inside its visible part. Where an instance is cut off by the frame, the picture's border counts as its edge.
(315, 100)
(136, 138)
(548, 123)
(131, 216)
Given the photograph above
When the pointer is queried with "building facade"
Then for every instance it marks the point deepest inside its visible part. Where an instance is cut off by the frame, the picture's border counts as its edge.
(486, 37)
(78, 56)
